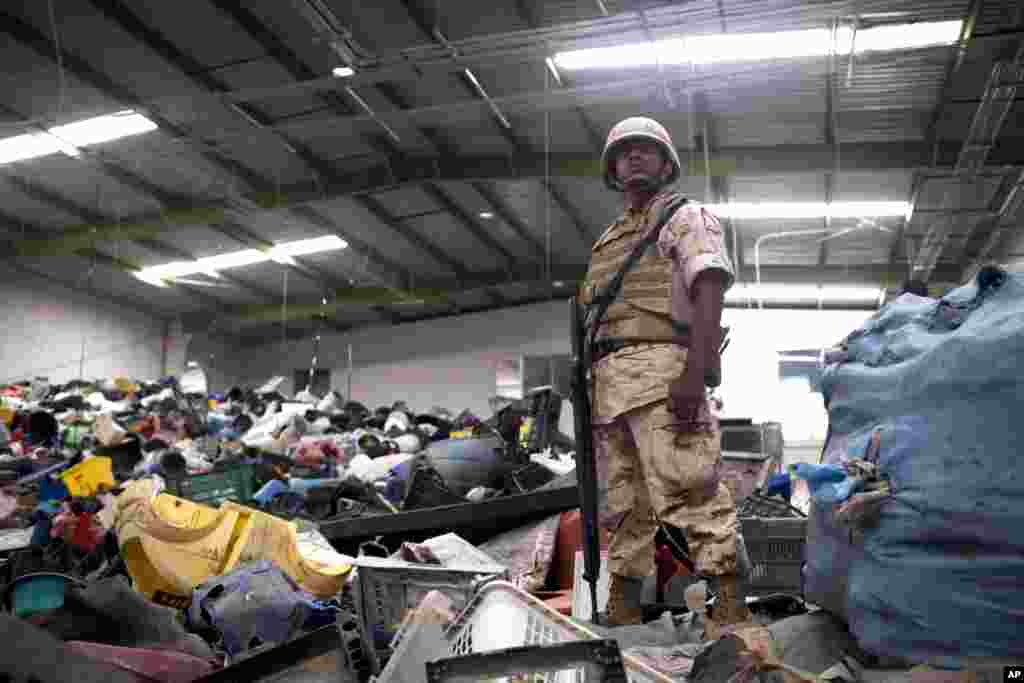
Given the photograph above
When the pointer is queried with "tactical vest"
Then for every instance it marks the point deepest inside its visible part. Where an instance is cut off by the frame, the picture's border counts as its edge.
(643, 309)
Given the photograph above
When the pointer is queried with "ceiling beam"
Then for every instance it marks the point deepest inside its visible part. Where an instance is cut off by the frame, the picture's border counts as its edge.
(198, 73)
(129, 179)
(932, 140)
(511, 218)
(436, 291)
(527, 13)
(750, 161)
(46, 195)
(719, 185)
(575, 217)
(122, 302)
(78, 67)
(438, 194)
(463, 218)
(396, 271)
(374, 206)
(1005, 222)
(118, 12)
(986, 125)
(428, 24)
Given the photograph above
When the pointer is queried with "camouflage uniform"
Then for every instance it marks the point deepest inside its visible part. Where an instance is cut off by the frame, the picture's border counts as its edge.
(650, 469)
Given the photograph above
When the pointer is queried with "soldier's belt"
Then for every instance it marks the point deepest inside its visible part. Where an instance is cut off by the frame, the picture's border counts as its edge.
(609, 345)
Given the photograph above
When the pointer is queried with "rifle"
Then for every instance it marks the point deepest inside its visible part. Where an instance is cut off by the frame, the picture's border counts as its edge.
(586, 465)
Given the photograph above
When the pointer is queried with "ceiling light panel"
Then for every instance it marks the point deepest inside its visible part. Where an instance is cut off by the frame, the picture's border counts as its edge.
(104, 128)
(69, 137)
(747, 47)
(809, 209)
(791, 293)
(210, 265)
(30, 146)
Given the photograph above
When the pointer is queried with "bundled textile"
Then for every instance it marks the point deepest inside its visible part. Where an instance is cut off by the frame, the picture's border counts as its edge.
(925, 430)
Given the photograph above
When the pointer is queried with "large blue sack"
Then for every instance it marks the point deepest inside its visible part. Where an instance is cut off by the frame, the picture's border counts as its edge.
(940, 576)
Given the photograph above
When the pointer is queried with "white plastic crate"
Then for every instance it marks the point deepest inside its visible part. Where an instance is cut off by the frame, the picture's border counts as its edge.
(385, 594)
(499, 616)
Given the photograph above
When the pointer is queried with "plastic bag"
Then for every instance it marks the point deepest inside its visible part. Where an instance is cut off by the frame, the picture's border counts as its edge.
(938, 388)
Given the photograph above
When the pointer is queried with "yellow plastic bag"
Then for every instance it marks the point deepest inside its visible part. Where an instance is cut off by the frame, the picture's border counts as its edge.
(172, 545)
(87, 477)
(265, 537)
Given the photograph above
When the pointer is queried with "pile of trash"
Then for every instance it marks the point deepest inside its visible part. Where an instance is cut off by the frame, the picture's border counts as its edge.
(186, 500)
(163, 532)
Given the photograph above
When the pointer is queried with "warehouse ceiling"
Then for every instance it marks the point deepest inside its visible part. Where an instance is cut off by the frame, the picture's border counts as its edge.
(458, 162)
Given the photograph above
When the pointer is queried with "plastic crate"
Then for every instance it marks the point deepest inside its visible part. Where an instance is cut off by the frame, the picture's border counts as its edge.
(383, 596)
(776, 550)
(237, 484)
(352, 665)
(601, 659)
(501, 616)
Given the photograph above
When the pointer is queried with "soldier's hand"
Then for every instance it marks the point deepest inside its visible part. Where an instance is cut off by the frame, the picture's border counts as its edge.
(687, 400)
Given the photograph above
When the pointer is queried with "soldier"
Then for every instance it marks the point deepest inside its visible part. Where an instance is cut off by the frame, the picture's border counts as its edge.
(657, 444)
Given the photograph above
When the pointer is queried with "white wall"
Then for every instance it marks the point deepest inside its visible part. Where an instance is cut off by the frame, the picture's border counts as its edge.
(750, 373)
(451, 362)
(44, 325)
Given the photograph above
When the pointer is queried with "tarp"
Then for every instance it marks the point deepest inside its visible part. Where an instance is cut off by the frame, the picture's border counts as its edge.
(933, 392)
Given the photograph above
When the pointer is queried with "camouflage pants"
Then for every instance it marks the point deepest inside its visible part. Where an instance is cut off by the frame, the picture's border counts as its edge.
(650, 472)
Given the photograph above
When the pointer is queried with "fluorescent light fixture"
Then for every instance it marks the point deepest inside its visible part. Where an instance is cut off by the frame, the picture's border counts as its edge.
(66, 146)
(69, 137)
(310, 246)
(745, 47)
(28, 146)
(787, 293)
(343, 71)
(558, 283)
(486, 215)
(210, 265)
(809, 209)
(904, 36)
(104, 128)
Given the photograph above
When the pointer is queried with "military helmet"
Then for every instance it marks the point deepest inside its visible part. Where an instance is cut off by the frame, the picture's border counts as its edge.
(638, 128)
